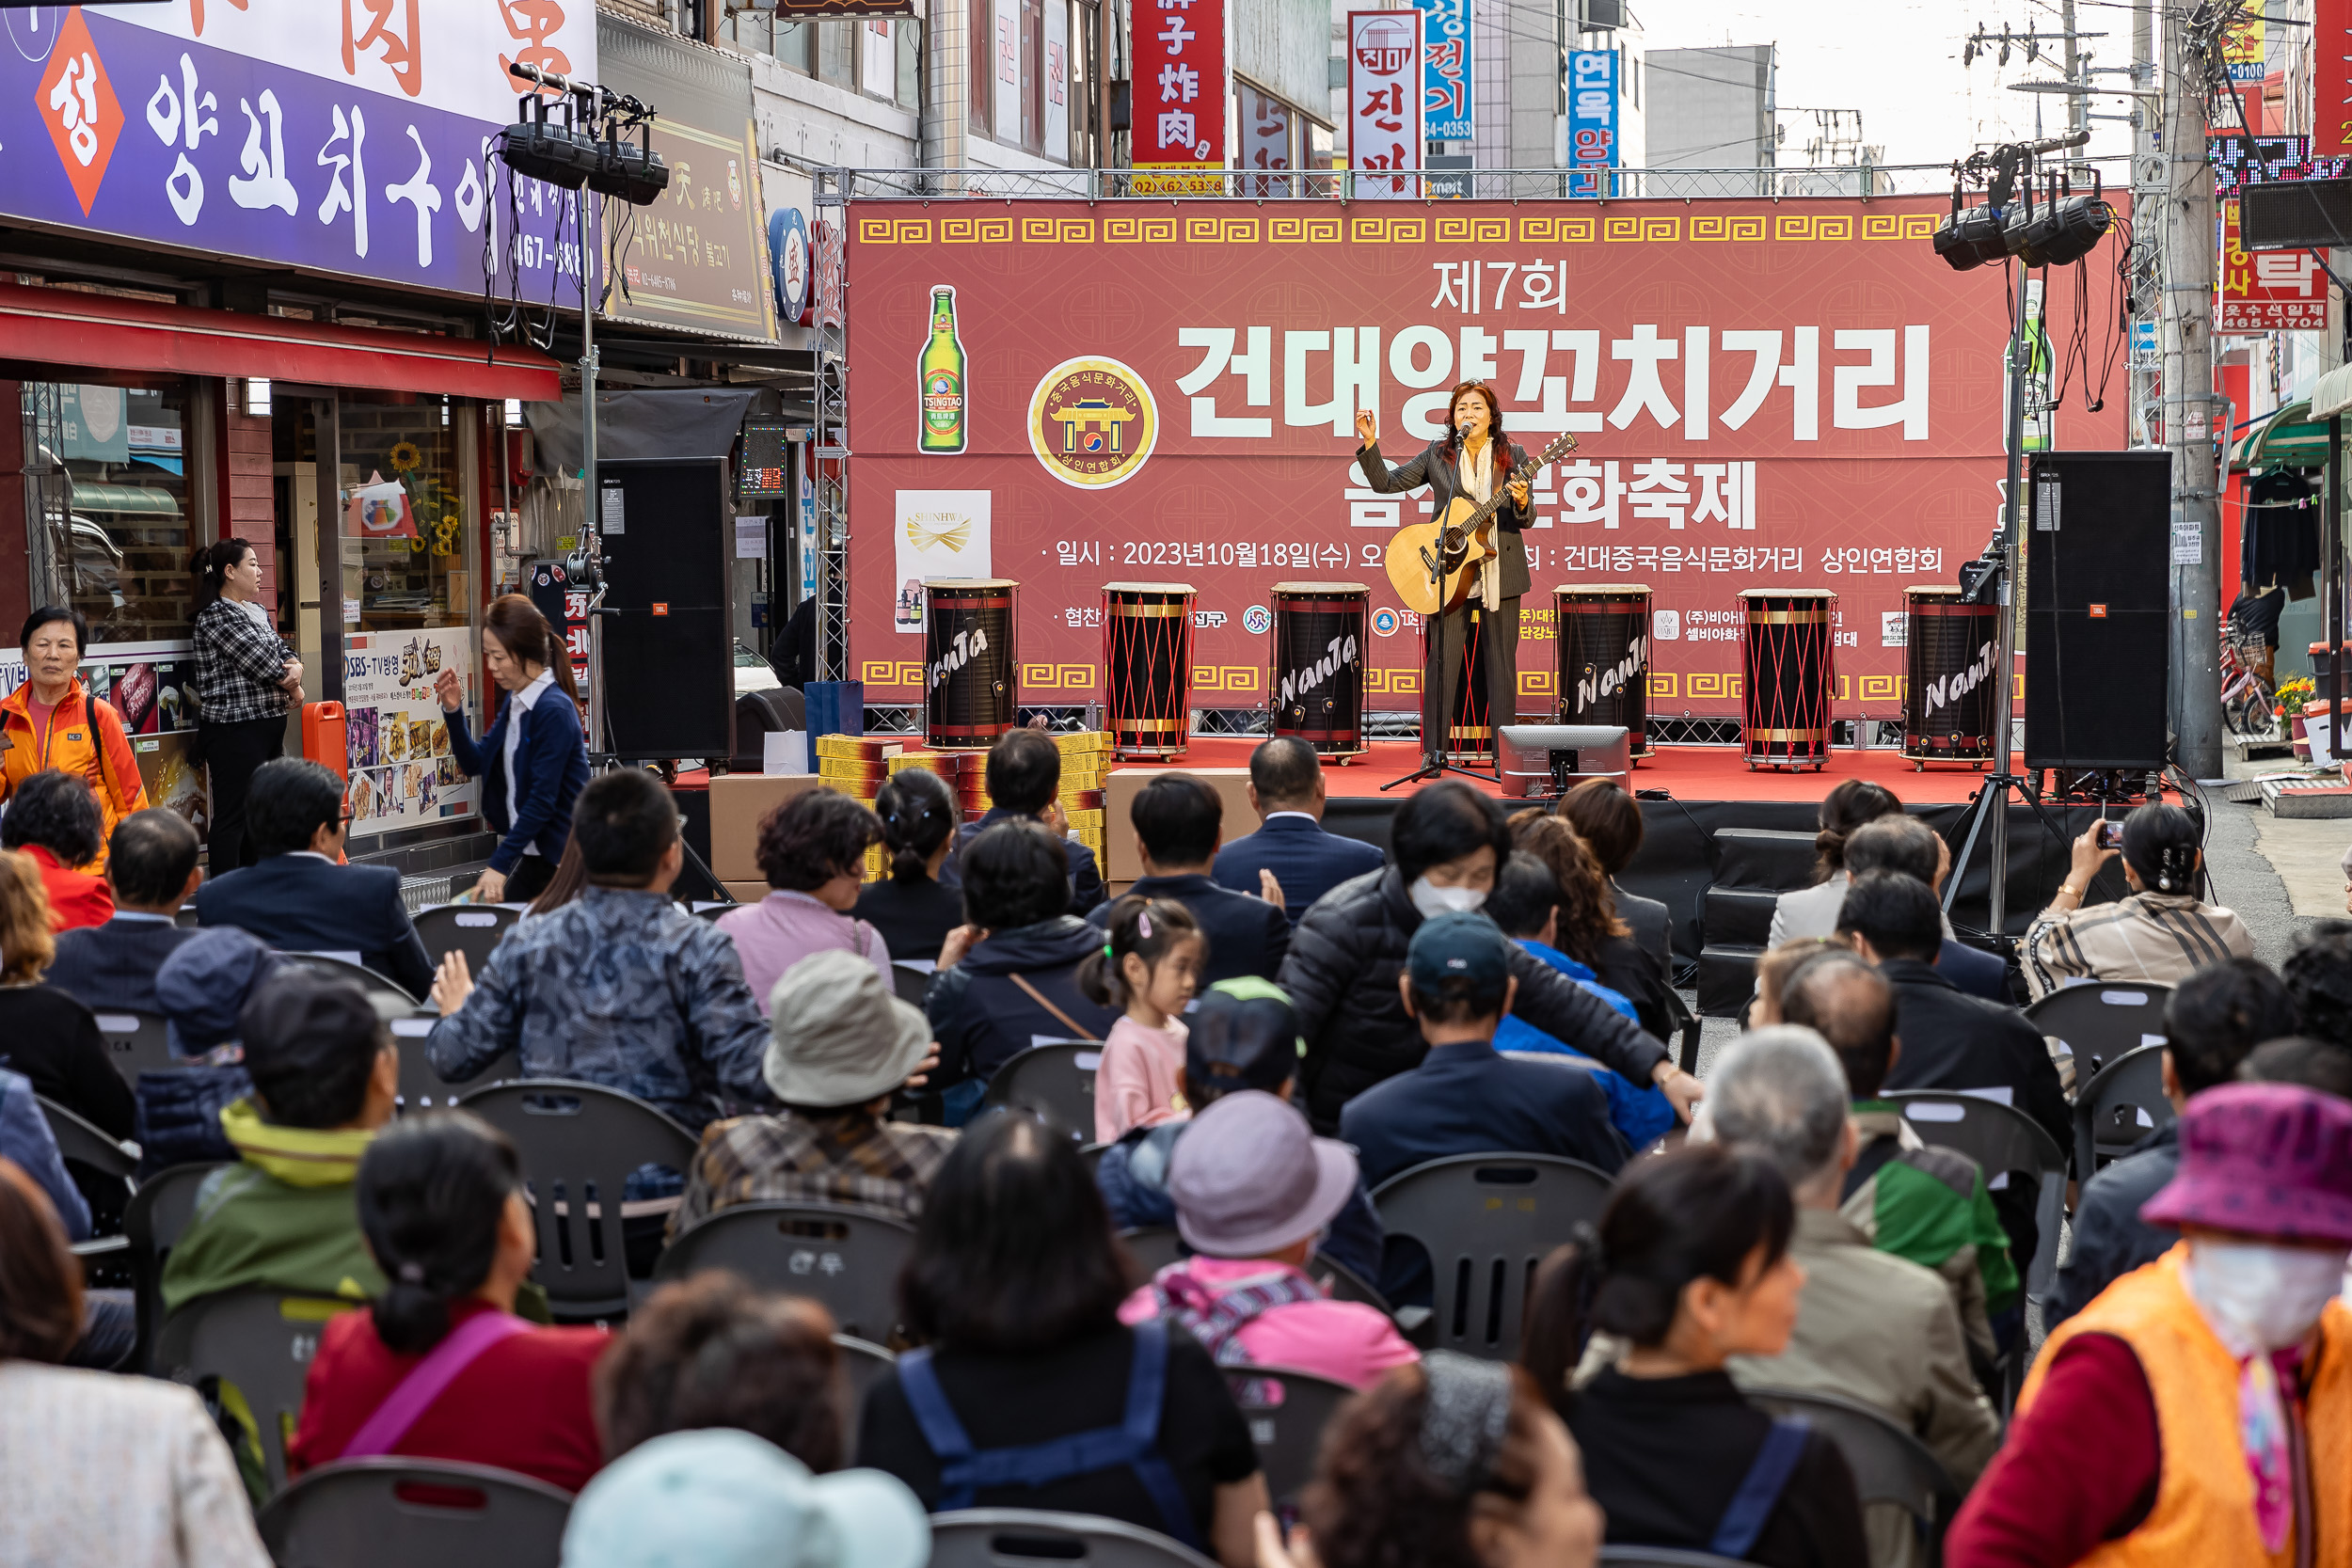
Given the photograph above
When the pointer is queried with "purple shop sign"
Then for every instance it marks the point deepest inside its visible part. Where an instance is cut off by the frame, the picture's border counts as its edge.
(119, 129)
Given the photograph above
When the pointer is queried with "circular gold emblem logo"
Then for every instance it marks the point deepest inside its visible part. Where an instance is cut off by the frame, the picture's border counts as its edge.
(1092, 422)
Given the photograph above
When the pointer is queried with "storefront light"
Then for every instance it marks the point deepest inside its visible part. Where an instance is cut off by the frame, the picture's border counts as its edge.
(514, 413)
(256, 397)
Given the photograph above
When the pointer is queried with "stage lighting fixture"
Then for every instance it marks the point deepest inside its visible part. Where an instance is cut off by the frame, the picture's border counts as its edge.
(2061, 229)
(636, 174)
(1970, 237)
(552, 151)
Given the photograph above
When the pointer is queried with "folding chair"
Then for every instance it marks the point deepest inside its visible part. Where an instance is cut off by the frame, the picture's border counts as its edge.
(1486, 1221)
(258, 1345)
(1889, 1465)
(1055, 1080)
(473, 929)
(2100, 1022)
(2123, 1103)
(911, 984)
(1287, 1412)
(847, 1257)
(381, 989)
(1027, 1538)
(2000, 1139)
(160, 1211)
(422, 1089)
(138, 1042)
(1662, 1557)
(1153, 1246)
(96, 1160)
(392, 1512)
(579, 1143)
(863, 1365)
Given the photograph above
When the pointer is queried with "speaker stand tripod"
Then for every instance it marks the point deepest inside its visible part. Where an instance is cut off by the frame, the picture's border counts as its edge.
(1435, 704)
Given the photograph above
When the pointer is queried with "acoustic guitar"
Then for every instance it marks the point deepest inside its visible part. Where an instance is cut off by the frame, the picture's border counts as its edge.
(1433, 566)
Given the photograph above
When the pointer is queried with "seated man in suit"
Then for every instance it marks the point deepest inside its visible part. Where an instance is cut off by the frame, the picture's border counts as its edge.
(1907, 845)
(1177, 818)
(297, 898)
(1286, 791)
(150, 865)
(1023, 779)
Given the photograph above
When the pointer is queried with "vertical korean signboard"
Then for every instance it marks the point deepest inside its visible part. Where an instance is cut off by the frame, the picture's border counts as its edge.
(2270, 291)
(2332, 76)
(1446, 92)
(1385, 125)
(1592, 120)
(1180, 90)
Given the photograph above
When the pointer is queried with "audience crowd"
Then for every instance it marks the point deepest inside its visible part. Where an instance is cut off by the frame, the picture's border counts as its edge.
(1119, 1258)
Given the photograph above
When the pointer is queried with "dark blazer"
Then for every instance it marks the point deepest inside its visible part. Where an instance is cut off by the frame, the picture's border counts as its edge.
(114, 965)
(1468, 1100)
(1443, 475)
(1977, 974)
(550, 769)
(1305, 857)
(912, 917)
(1086, 881)
(301, 904)
(1652, 922)
(2110, 1238)
(983, 1018)
(1246, 934)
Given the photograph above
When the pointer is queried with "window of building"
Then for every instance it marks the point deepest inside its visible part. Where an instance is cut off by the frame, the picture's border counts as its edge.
(906, 37)
(980, 63)
(1033, 75)
(796, 44)
(1081, 70)
(878, 59)
(108, 504)
(406, 530)
(1268, 140)
(836, 41)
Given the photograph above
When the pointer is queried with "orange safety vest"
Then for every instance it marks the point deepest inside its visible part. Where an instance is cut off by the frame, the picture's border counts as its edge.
(84, 737)
(2204, 1510)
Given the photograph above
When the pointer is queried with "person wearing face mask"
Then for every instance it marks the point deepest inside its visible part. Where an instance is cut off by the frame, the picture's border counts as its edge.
(1350, 950)
(2200, 1409)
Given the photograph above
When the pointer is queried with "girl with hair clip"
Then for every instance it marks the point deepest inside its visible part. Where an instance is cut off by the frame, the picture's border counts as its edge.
(2161, 932)
(912, 907)
(1149, 969)
(1688, 1268)
(440, 1366)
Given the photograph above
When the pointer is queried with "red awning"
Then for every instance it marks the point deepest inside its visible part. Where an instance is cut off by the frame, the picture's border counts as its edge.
(65, 326)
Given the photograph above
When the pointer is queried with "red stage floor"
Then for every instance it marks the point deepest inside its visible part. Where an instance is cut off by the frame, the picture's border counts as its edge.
(1686, 772)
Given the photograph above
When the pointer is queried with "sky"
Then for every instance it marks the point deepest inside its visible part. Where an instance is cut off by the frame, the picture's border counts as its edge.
(1901, 69)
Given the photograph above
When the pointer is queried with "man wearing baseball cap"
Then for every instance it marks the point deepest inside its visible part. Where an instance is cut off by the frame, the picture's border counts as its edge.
(2200, 1409)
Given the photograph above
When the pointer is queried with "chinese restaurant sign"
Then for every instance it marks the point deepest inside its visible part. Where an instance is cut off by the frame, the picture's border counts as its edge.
(697, 256)
(1180, 95)
(1790, 394)
(340, 136)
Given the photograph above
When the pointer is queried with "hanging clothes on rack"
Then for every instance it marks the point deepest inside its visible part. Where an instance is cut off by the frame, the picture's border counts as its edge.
(2281, 532)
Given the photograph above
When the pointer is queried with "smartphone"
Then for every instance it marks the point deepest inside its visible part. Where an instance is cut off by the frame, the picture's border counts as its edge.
(2111, 835)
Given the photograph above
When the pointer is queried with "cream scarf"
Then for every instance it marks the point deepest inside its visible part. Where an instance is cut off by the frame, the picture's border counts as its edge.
(1478, 482)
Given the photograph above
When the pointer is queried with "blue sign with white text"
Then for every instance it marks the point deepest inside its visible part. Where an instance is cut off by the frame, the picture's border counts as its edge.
(1445, 80)
(1593, 149)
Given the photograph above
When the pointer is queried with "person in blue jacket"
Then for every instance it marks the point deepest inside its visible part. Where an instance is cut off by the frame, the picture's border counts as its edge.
(535, 761)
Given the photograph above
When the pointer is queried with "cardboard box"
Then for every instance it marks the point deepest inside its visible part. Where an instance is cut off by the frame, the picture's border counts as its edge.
(1126, 863)
(737, 802)
(746, 892)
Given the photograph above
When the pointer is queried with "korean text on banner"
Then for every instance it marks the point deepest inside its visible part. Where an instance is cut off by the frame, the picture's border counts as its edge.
(1592, 120)
(2242, 43)
(1181, 91)
(1384, 123)
(1447, 92)
(2271, 292)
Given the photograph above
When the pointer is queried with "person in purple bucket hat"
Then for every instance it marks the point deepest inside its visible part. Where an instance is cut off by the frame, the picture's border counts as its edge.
(2200, 1409)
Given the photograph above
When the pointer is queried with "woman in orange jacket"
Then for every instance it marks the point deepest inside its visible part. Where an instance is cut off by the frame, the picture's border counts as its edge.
(51, 722)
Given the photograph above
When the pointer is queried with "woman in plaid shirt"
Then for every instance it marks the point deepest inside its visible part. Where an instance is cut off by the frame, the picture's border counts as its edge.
(246, 678)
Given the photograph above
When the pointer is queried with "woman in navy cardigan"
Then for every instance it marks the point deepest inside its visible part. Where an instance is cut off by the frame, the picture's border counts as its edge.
(535, 761)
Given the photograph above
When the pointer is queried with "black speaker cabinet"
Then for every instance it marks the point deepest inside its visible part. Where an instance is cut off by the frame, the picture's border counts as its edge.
(669, 662)
(2098, 598)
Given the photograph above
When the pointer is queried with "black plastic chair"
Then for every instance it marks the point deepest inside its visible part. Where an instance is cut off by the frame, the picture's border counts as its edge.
(579, 1143)
(1055, 1080)
(1486, 1221)
(94, 1160)
(1662, 1557)
(1889, 1465)
(473, 929)
(1287, 1412)
(382, 989)
(138, 1042)
(863, 1364)
(1027, 1538)
(423, 1089)
(2101, 1021)
(1153, 1247)
(2001, 1139)
(159, 1211)
(392, 1512)
(259, 1342)
(909, 983)
(1341, 1283)
(847, 1257)
(2123, 1103)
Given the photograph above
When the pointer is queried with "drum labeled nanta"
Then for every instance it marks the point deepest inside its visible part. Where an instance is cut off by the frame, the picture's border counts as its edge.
(1603, 632)
(1788, 675)
(1317, 673)
(1949, 695)
(1147, 667)
(968, 693)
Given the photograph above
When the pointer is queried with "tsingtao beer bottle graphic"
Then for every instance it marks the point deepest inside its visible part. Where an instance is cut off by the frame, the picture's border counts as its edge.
(941, 375)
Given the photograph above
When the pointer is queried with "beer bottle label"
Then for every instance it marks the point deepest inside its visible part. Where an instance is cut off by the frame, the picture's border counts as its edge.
(943, 401)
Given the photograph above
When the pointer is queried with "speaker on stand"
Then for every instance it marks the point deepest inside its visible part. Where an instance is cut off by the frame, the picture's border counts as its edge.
(2098, 614)
(668, 646)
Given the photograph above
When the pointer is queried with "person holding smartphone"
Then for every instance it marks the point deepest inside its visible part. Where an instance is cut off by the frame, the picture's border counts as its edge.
(2161, 933)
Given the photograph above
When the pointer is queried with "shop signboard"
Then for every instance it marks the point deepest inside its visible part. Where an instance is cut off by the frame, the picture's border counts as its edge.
(2270, 291)
(344, 138)
(1386, 129)
(1181, 91)
(1592, 143)
(1789, 393)
(402, 772)
(1448, 90)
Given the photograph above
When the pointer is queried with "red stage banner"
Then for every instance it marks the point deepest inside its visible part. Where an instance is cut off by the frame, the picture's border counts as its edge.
(1766, 394)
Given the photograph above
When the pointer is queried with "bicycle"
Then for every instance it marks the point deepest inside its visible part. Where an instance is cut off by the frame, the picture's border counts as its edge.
(2249, 702)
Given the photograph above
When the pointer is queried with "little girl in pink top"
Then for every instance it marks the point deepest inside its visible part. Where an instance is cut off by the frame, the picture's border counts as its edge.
(1150, 967)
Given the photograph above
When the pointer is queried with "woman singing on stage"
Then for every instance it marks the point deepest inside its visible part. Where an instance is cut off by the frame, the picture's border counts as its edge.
(1472, 459)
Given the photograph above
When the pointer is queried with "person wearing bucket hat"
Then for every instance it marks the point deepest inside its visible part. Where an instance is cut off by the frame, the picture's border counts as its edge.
(2200, 1407)
(723, 1498)
(1254, 1189)
(1242, 1034)
(840, 1045)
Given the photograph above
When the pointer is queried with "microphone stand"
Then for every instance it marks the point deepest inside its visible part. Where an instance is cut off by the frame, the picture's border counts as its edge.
(1436, 705)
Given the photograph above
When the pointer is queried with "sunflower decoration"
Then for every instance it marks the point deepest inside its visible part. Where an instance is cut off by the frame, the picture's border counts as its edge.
(405, 457)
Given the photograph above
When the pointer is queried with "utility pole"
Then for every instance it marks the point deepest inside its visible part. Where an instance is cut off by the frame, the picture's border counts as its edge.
(2188, 280)
(2076, 104)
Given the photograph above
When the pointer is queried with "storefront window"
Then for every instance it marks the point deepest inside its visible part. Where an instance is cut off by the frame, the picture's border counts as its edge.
(406, 530)
(108, 505)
